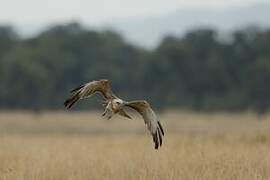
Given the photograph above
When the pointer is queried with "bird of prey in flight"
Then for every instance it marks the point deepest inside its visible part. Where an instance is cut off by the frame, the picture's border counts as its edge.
(114, 105)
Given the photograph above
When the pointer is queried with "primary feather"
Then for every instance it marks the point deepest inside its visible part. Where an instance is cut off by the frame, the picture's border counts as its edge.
(150, 120)
(87, 90)
(114, 105)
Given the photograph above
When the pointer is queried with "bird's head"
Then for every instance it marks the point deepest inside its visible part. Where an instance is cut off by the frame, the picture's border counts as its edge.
(119, 102)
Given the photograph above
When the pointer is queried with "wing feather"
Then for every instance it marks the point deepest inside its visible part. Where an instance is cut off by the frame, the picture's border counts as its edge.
(150, 119)
(124, 114)
(88, 89)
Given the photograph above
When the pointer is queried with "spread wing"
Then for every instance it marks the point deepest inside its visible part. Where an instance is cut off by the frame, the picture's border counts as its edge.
(88, 89)
(150, 120)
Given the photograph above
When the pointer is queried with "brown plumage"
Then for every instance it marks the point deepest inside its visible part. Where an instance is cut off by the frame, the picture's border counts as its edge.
(114, 105)
(150, 120)
(88, 89)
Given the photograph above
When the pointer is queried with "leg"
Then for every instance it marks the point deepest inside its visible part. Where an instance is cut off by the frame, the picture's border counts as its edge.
(107, 108)
(110, 114)
(108, 111)
(105, 112)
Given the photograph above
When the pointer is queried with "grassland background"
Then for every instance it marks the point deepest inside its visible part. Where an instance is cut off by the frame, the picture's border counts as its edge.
(82, 146)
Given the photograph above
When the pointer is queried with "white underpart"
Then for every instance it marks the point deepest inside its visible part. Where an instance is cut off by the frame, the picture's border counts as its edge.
(115, 101)
(108, 111)
(112, 106)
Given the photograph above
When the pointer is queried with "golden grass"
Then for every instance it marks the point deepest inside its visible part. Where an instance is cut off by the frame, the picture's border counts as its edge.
(82, 146)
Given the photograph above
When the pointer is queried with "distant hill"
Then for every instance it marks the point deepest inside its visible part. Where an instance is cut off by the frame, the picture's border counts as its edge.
(148, 32)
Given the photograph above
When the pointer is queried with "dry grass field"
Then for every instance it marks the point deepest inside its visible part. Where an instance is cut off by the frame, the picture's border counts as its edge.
(83, 146)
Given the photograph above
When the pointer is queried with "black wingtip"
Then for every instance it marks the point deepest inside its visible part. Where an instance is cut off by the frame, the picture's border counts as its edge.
(70, 101)
(78, 88)
(155, 140)
(66, 103)
(160, 139)
(157, 136)
(161, 129)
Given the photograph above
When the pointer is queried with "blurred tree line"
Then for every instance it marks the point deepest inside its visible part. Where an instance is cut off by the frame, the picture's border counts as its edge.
(198, 71)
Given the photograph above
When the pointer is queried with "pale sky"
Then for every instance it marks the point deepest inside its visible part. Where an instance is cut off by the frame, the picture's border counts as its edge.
(98, 11)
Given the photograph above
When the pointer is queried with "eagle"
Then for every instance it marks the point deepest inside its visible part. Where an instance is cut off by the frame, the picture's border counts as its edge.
(114, 105)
